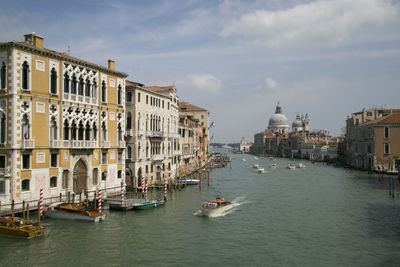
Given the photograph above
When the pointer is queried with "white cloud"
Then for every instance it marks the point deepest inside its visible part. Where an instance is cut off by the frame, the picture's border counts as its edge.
(201, 82)
(321, 22)
(271, 84)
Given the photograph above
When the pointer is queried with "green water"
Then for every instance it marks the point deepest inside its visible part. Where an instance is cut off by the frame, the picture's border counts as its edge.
(316, 216)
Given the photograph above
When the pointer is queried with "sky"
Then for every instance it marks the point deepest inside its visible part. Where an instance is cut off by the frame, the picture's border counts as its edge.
(237, 59)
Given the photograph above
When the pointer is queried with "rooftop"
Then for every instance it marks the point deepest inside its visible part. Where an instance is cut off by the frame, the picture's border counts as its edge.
(393, 118)
(185, 106)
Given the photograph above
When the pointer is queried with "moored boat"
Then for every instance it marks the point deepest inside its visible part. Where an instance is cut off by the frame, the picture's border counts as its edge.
(216, 207)
(260, 170)
(148, 204)
(73, 212)
(291, 166)
(301, 165)
(15, 226)
(188, 181)
(120, 205)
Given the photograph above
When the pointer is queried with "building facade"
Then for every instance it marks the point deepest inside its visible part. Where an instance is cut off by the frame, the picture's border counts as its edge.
(61, 123)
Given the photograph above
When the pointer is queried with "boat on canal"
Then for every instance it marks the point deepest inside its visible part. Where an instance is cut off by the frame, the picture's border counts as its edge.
(72, 211)
(148, 204)
(273, 165)
(261, 170)
(216, 207)
(301, 165)
(291, 166)
(120, 205)
(188, 181)
(15, 226)
(255, 166)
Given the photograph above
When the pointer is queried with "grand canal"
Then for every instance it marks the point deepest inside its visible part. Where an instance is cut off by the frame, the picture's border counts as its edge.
(316, 216)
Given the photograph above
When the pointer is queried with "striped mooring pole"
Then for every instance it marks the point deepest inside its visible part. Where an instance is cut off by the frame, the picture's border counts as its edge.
(142, 185)
(122, 193)
(145, 189)
(41, 202)
(99, 201)
(165, 189)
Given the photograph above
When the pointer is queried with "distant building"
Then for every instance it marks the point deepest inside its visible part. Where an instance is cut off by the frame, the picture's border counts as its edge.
(244, 147)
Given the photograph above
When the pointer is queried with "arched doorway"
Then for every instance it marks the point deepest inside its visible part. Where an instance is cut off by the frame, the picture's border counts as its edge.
(158, 174)
(139, 177)
(129, 179)
(80, 177)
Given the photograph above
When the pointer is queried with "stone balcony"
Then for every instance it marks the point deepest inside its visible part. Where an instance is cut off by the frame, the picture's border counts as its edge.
(129, 132)
(105, 144)
(159, 134)
(28, 143)
(157, 157)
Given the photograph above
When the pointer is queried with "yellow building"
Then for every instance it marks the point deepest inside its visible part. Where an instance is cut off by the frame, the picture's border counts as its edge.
(61, 123)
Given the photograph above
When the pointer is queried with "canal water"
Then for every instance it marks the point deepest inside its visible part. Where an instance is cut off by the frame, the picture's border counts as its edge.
(316, 216)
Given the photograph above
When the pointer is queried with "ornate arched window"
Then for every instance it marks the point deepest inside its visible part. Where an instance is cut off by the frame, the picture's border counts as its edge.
(66, 83)
(25, 127)
(53, 129)
(119, 132)
(129, 152)
(103, 132)
(24, 75)
(94, 89)
(138, 151)
(53, 81)
(129, 121)
(81, 131)
(73, 84)
(87, 87)
(138, 121)
(80, 86)
(103, 92)
(87, 131)
(73, 131)
(3, 76)
(66, 130)
(119, 95)
(2, 127)
(94, 132)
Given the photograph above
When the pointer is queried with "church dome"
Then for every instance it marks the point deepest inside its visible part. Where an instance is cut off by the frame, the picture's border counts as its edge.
(278, 120)
(297, 124)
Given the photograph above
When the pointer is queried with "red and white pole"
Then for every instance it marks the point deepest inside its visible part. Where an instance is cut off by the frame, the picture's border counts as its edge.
(99, 200)
(41, 202)
(165, 189)
(145, 188)
(143, 185)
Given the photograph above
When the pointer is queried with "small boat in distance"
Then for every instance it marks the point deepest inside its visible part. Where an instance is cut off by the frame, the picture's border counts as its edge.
(291, 166)
(255, 166)
(243, 159)
(73, 212)
(273, 165)
(15, 226)
(301, 165)
(255, 158)
(148, 204)
(216, 207)
(260, 170)
(188, 181)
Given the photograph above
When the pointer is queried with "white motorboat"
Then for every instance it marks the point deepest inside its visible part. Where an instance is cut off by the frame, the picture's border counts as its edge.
(273, 165)
(216, 207)
(255, 166)
(243, 159)
(261, 170)
(255, 158)
(291, 166)
(301, 165)
(188, 181)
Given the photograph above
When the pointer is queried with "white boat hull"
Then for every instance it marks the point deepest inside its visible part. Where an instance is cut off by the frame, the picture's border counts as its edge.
(66, 216)
(216, 211)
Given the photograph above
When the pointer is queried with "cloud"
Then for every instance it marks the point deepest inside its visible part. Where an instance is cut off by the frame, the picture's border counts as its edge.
(319, 23)
(201, 82)
(271, 84)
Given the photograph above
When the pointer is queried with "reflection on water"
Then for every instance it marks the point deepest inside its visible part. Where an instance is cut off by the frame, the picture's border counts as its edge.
(313, 216)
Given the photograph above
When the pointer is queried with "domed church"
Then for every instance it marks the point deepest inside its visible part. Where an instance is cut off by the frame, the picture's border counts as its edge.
(301, 123)
(278, 123)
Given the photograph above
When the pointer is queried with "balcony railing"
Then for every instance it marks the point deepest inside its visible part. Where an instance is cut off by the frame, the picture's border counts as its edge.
(105, 144)
(173, 135)
(121, 143)
(56, 143)
(158, 157)
(28, 143)
(82, 144)
(80, 98)
(129, 132)
(140, 133)
(155, 133)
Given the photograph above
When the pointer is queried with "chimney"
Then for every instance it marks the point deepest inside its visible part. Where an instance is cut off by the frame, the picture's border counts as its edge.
(111, 64)
(34, 39)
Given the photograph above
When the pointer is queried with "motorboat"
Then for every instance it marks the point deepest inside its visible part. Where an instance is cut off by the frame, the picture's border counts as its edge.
(273, 165)
(71, 211)
(15, 226)
(291, 166)
(243, 159)
(148, 204)
(301, 165)
(188, 181)
(260, 170)
(255, 166)
(216, 207)
(255, 158)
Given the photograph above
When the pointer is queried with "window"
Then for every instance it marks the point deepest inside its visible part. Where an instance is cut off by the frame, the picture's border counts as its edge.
(80, 86)
(25, 127)
(103, 92)
(2, 162)
(386, 148)
(163, 104)
(94, 89)
(129, 152)
(87, 87)
(66, 83)
(138, 97)
(129, 97)
(3, 76)
(147, 99)
(95, 176)
(104, 157)
(369, 113)
(2, 186)
(2, 128)
(53, 159)
(119, 156)
(104, 176)
(357, 121)
(53, 81)
(65, 179)
(202, 116)
(386, 132)
(129, 121)
(119, 95)
(24, 76)
(26, 161)
(119, 174)
(25, 185)
(73, 85)
(53, 181)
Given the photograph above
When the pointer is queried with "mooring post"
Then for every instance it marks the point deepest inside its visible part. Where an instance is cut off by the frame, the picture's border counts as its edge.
(60, 197)
(12, 210)
(393, 182)
(27, 213)
(23, 211)
(39, 212)
(390, 187)
(73, 198)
